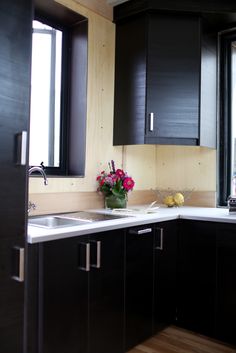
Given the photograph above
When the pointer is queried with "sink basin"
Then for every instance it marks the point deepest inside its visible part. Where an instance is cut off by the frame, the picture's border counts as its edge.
(91, 216)
(70, 219)
(52, 222)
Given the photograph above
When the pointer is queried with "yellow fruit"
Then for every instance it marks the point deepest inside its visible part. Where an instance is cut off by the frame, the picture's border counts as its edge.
(178, 199)
(169, 201)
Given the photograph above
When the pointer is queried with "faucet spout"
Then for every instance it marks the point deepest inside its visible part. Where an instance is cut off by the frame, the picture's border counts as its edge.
(41, 171)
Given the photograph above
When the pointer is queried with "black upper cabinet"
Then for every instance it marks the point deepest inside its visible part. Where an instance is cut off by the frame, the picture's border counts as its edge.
(15, 55)
(165, 81)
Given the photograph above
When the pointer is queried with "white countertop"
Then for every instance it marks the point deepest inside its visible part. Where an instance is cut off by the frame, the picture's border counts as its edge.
(37, 234)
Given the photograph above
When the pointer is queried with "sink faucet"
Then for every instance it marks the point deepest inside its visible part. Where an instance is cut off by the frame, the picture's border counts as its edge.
(31, 205)
(41, 171)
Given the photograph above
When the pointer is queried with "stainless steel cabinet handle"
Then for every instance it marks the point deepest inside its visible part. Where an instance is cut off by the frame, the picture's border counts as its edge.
(21, 148)
(140, 231)
(87, 257)
(160, 247)
(19, 274)
(151, 121)
(98, 254)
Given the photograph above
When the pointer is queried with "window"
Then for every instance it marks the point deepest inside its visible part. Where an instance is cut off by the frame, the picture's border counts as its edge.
(227, 148)
(45, 113)
(58, 89)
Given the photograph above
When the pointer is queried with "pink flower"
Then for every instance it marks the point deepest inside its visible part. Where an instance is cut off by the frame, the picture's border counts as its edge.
(128, 183)
(120, 173)
(102, 182)
(115, 177)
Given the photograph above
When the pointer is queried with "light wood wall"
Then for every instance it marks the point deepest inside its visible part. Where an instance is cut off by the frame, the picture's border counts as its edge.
(151, 166)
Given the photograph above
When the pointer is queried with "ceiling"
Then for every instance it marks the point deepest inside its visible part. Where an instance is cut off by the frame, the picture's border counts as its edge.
(115, 2)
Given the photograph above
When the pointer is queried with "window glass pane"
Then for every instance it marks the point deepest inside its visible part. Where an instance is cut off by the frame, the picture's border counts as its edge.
(233, 112)
(45, 95)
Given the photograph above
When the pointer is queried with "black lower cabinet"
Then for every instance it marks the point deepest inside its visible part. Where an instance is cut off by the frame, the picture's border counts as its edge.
(139, 284)
(165, 271)
(81, 294)
(11, 297)
(196, 300)
(226, 283)
(106, 293)
(63, 293)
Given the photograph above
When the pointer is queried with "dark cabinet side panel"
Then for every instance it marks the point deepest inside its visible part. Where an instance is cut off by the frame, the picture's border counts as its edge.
(130, 83)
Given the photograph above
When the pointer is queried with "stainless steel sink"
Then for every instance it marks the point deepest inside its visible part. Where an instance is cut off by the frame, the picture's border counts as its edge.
(91, 216)
(51, 222)
(70, 219)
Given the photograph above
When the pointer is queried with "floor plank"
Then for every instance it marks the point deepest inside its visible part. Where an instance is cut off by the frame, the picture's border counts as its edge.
(177, 340)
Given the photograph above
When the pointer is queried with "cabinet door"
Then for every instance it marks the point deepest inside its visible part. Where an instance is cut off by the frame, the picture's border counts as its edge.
(173, 77)
(197, 276)
(63, 293)
(106, 293)
(226, 283)
(165, 274)
(15, 43)
(139, 285)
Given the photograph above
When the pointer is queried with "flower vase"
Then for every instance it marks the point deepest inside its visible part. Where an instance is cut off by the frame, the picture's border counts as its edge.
(113, 201)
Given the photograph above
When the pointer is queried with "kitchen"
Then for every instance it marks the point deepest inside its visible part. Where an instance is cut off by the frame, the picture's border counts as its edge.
(152, 166)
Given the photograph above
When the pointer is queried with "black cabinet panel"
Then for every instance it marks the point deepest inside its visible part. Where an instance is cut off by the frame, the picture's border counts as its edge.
(15, 58)
(63, 292)
(11, 300)
(165, 281)
(32, 298)
(139, 285)
(173, 76)
(226, 284)
(197, 276)
(106, 294)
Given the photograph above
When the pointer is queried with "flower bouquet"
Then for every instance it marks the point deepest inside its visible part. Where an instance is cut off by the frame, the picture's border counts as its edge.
(115, 186)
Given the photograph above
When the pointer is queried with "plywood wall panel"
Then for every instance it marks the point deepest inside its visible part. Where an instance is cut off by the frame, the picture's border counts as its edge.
(180, 167)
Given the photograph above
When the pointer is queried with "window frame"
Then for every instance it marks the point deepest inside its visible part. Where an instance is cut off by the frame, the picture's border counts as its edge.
(73, 85)
(65, 83)
(225, 111)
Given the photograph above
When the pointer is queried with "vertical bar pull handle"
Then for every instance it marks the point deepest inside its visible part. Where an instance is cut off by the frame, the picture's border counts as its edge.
(160, 247)
(18, 264)
(21, 148)
(97, 263)
(84, 256)
(151, 121)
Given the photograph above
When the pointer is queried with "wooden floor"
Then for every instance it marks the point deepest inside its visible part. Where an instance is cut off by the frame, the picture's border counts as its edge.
(176, 340)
